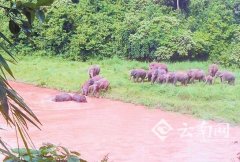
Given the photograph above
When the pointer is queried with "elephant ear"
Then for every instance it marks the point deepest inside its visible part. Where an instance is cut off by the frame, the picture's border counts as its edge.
(221, 74)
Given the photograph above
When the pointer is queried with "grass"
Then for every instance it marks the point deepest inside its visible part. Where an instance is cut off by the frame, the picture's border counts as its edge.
(219, 102)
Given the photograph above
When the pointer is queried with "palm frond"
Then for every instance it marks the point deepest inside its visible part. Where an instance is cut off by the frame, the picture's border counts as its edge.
(7, 51)
(12, 106)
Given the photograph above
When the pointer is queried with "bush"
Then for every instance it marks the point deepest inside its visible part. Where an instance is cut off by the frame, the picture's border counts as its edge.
(141, 30)
(47, 153)
(232, 56)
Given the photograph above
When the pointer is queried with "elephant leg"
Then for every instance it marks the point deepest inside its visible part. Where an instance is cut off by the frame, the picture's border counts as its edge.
(206, 82)
(192, 80)
(94, 93)
(134, 79)
(167, 80)
(153, 80)
(97, 94)
(106, 89)
(231, 82)
(138, 79)
(182, 83)
(185, 82)
(175, 82)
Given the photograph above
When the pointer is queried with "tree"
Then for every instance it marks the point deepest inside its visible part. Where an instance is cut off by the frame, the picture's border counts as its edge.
(175, 4)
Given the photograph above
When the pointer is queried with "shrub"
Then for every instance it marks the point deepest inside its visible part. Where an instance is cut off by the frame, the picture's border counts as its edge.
(47, 153)
(141, 30)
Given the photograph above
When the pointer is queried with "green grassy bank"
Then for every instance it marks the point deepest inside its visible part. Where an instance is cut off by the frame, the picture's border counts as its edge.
(220, 102)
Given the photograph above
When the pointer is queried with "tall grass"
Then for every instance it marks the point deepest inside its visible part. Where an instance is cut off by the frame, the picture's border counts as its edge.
(219, 101)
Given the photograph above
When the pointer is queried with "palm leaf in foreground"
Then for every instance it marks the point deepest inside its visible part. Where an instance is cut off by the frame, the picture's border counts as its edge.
(12, 106)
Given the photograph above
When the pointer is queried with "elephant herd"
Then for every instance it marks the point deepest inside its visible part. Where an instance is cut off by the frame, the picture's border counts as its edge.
(93, 85)
(96, 83)
(158, 72)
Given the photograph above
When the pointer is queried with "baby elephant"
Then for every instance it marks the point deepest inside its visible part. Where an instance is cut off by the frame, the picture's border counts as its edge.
(170, 77)
(79, 98)
(137, 74)
(181, 77)
(149, 75)
(62, 97)
(155, 65)
(93, 70)
(162, 78)
(102, 84)
(226, 76)
(209, 80)
(213, 69)
(156, 74)
(95, 78)
(196, 74)
(85, 87)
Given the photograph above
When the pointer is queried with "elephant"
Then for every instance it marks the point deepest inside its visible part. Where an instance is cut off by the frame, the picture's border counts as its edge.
(170, 77)
(155, 65)
(133, 73)
(79, 98)
(94, 70)
(62, 97)
(88, 83)
(195, 74)
(162, 78)
(226, 76)
(137, 74)
(149, 75)
(85, 87)
(94, 89)
(156, 74)
(102, 84)
(182, 77)
(95, 78)
(209, 80)
(213, 69)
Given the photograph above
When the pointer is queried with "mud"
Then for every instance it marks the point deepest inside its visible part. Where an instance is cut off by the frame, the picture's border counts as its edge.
(125, 131)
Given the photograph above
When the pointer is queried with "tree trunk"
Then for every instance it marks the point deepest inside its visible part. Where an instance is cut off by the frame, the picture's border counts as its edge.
(178, 5)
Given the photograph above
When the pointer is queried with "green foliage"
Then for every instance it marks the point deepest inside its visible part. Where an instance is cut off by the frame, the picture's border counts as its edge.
(19, 16)
(79, 31)
(232, 56)
(137, 29)
(46, 153)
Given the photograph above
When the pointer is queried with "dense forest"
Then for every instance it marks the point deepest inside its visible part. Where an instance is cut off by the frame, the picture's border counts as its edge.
(162, 30)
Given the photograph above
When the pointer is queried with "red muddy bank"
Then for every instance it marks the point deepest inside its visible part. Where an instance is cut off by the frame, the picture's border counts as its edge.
(124, 131)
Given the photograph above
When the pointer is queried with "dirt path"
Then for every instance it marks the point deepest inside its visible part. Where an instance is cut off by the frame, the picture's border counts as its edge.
(124, 131)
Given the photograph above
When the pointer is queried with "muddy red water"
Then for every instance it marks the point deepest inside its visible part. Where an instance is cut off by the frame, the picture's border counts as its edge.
(126, 132)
